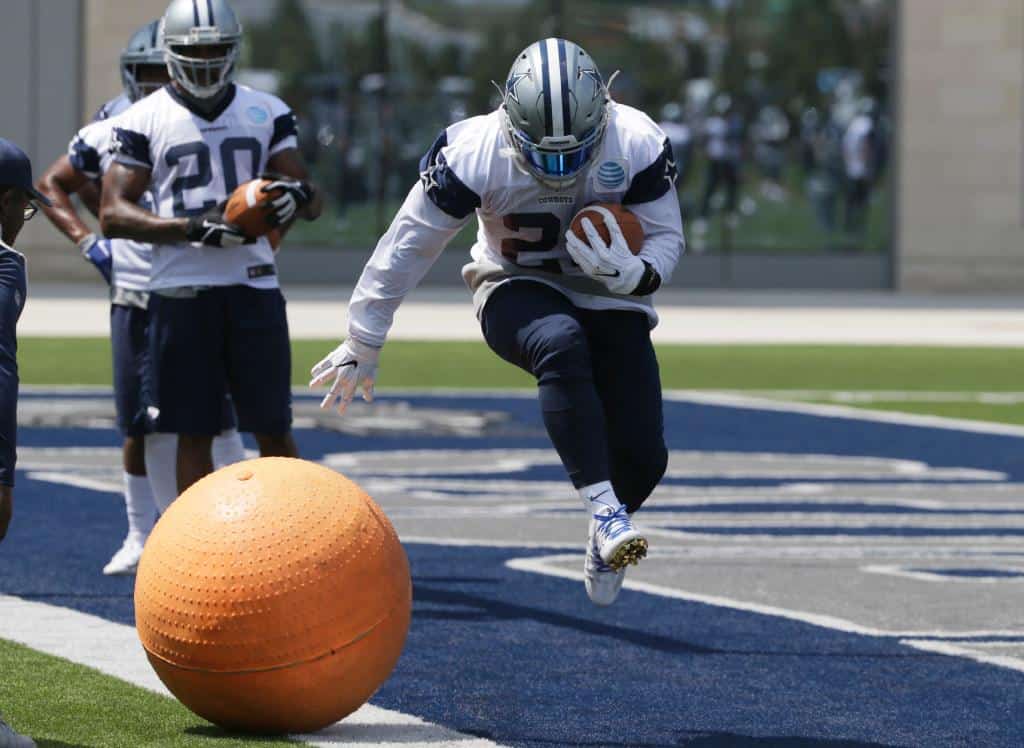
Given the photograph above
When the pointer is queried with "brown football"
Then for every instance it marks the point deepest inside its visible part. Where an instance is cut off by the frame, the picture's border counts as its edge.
(248, 208)
(627, 220)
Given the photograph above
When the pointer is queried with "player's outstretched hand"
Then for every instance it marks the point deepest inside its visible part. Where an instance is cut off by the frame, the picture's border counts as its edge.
(296, 196)
(96, 249)
(211, 230)
(351, 365)
(611, 263)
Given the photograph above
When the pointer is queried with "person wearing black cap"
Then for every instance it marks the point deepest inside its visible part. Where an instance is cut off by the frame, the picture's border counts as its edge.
(19, 201)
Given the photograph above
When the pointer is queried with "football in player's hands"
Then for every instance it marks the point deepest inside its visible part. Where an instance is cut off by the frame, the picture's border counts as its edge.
(627, 220)
(250, 208)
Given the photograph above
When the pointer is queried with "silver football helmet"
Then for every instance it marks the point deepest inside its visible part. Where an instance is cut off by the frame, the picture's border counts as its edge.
(201, 38)
(555, 105)
(145, 49)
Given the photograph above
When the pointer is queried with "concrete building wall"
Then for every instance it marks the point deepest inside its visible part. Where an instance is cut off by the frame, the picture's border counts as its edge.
(108, 24)
(960, 218)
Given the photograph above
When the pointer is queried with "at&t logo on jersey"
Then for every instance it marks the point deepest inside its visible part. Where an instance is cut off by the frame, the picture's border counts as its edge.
(611, 175)
(257, 115)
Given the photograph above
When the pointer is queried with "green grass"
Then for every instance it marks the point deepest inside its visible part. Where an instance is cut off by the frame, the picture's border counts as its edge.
(743, 367)
(59, 703)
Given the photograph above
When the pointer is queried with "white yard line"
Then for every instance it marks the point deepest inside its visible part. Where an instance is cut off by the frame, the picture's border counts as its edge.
(114, 649)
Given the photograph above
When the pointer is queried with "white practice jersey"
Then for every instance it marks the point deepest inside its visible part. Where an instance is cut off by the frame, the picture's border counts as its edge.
(521, 223)
(89, 153)
(196, 162)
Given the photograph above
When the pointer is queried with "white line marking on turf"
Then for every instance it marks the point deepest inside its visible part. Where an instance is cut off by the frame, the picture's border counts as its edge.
(927, 576)
(955, 650)
(114, 649)
(840, 411)
(547, 565)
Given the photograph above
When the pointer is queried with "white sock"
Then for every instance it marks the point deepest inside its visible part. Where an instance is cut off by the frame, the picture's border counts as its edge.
(227, 448)
(162, 468)
(600, 498)
(138, 500)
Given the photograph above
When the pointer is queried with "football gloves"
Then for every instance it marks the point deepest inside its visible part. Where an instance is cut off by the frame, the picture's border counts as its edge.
(211, 230)
(352, 365)
(613, 264)
(296, 196)
(96, 249)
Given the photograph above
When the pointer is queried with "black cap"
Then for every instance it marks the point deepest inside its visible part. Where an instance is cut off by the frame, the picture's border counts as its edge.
(16, 171)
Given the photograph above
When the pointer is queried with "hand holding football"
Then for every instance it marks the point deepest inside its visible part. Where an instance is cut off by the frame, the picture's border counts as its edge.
(627, 220)
(249, 208)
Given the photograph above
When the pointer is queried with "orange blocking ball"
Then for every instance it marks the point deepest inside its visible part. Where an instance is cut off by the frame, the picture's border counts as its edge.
(273, 597)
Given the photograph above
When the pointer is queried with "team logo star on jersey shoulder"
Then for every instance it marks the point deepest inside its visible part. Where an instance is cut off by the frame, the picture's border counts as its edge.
(670, 171)
(512, 83)
(427, 177)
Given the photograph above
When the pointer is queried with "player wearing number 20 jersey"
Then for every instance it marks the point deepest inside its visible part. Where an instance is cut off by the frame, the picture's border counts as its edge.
(197, 162)
(576, 315)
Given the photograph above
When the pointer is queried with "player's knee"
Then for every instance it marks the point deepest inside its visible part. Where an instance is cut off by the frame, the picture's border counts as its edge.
(637, 472)
(560, 351)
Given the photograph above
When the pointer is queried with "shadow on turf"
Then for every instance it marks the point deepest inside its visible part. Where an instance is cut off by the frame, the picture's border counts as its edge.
(44, 743)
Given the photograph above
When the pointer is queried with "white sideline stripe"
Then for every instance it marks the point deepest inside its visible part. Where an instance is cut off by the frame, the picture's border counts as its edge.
(926, 576)
(545, 565)
(888, 396)
(955, 650)
(114, 649)
(841, 411)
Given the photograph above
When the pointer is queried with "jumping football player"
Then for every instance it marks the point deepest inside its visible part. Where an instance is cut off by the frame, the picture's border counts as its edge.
(150, 480)
(576, 315)
(19, 201)
(217, 316)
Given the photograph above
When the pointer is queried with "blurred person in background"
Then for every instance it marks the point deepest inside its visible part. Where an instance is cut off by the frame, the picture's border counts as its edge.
(771, 137)
(19, 201)
(723, 141)
(860, 158)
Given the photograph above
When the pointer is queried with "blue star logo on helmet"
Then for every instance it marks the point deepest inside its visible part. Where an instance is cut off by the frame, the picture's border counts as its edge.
(610, 175)
(258, 115)
(511, 83)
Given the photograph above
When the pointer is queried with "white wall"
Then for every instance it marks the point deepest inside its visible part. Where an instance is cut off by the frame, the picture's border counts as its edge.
(961, 159)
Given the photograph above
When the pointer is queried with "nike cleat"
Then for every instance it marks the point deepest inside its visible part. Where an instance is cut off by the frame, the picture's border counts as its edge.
(618, 541)
(126, 560)
(602, 581)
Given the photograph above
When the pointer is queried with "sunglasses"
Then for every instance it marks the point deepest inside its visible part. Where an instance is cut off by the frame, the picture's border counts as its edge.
(30, 211)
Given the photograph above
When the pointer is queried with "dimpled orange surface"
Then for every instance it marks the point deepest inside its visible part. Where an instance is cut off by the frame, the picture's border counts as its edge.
(273, 596)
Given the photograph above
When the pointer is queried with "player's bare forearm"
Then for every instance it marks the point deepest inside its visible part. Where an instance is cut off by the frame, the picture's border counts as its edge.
(289, 163)
(89, 194)
(59, 183)
(121, 216)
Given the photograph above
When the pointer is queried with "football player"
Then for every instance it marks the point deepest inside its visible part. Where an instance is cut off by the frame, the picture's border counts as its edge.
(19, 201)
(150, 480)
(217, 316)
(575, 314)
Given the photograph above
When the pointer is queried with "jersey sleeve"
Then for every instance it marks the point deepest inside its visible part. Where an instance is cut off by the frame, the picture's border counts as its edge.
(418, 234)
(130, 139)
(652, 197)
(442, 185)
(11, 303)
(285, 130)
(86, 150)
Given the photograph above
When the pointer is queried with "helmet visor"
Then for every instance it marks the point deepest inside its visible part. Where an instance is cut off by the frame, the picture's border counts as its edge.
(560, 163)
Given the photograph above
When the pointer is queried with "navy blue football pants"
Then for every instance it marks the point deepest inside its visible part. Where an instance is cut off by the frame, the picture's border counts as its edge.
(597, 381)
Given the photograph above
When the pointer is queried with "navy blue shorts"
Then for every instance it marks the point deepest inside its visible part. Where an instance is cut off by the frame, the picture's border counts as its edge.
(130, 349)
(226, 340)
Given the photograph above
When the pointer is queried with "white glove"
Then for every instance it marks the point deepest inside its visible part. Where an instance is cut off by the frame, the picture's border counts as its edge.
(352, 364)
(613, 264)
